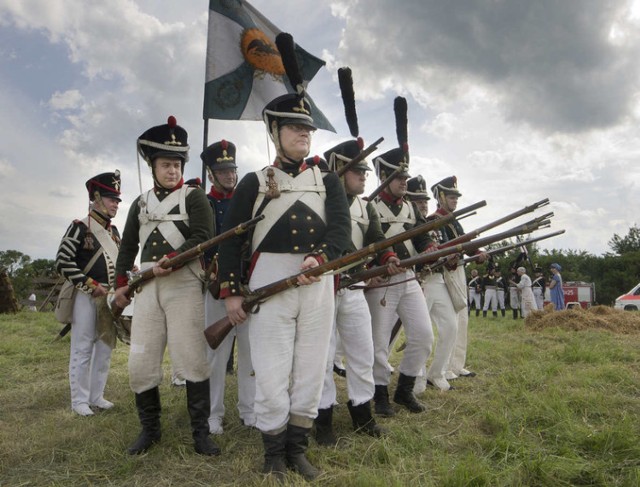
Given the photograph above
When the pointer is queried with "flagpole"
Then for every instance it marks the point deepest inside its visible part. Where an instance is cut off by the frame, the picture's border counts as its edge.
(205, 144)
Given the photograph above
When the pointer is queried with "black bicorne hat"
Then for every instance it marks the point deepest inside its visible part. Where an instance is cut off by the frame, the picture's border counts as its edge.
(168, 140)
(220, 155)
(106, 184)
(417, 189)
(391, 160)
(448, 186)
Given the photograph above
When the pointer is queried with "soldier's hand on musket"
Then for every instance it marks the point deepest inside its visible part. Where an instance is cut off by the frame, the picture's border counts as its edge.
(452, 259)
(309, 263)
(120, 297)
(236, 314)
(158, 271)
(99, 291)
(393, 266)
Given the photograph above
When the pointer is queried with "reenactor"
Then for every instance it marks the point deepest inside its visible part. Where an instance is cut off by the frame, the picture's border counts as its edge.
(514, 296)
(446, 194)
(539, 285)
(86, 259)
(220, 161)
(501, 288)
(475, 292)
(489, 289)
(403, 297)
(306, 223)
(163, 222)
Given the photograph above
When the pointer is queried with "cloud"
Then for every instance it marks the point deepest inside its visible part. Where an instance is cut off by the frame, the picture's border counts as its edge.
(552, 65)
(68, 100)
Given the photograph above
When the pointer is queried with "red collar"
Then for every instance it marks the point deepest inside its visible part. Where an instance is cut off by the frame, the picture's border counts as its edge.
(176, 187)
(389, 198)
(214, 193)
(442, 211)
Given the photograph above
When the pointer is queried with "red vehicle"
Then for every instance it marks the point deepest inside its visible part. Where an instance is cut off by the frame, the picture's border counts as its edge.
(576, 294)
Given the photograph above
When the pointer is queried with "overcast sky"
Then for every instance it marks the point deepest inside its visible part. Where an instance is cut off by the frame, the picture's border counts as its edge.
(521, 100)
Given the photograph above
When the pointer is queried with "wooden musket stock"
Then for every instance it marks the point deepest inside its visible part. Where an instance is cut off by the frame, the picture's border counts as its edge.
(217, 331)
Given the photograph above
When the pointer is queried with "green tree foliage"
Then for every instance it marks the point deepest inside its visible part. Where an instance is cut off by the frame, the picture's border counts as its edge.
(22, 270)
(629, 243)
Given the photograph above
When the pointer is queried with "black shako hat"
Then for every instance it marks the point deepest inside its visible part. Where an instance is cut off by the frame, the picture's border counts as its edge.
(417, 189)
(288, 109)
(168, 140)
(220, 155)
(448, 186)
(106, 184)
(342, 153)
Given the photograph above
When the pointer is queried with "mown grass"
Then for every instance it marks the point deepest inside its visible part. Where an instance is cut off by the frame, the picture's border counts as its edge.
(548, 408)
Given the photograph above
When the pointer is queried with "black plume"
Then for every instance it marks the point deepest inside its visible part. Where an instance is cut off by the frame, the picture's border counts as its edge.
(400, 110)
(286, 46)
(348, 99)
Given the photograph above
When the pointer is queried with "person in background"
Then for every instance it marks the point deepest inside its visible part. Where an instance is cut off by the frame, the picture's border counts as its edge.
(475, 292)
(220, 160)
(555, 287)
(539, 286)
(86, 258)
(163, 222)
(527, 298)
(501, 289)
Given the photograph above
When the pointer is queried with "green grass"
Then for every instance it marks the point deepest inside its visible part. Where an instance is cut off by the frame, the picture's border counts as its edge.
(551, 408)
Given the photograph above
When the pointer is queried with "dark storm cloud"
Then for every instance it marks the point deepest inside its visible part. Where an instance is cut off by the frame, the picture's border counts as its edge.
(552, 64)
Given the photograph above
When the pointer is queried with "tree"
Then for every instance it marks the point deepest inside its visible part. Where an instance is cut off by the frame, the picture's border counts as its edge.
(628, 243)
(13, 260)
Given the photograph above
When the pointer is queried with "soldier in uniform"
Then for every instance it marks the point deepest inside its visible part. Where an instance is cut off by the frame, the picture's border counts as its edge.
(475, 291)
(86, 258)
(489, 288)
(306, 223)
(220, 160)
(163, 222)
(514, 296)
(403, 297)
(539, 285)
(501, 287)
(352, 319)
(446, 194)
(439, 303)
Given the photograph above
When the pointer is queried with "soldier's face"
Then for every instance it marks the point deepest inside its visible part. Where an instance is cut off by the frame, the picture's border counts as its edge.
(398, 187)
(226, 178)
(168, 171)
(451, 201)
(295, 141)
(354, 181)
(423, 207)
(110, 206)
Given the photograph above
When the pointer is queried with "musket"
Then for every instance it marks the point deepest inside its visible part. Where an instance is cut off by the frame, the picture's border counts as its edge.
(474, 233)
(499, 250)
(402, 168)
(138, 279)
(360, 157)
(216, 332)
(423, 258)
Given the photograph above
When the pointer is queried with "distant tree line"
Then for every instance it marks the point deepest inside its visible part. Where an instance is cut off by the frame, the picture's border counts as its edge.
(613, 273)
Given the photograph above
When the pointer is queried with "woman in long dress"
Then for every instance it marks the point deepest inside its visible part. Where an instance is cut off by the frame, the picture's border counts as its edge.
(527, 298)
(555, 287)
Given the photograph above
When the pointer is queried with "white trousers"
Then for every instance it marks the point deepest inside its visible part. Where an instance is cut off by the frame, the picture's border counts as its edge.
(490, 299)
(474, 297)
(459, 355)
(406, 301)
(539, 295)
(169, 311)
(217, 359)
(289, 338)
(514, 298)
(500, 295)
(90, 357)
(353, 325)
(445, 318)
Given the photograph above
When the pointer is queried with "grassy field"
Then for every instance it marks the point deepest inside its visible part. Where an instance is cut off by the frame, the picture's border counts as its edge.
(551, 407)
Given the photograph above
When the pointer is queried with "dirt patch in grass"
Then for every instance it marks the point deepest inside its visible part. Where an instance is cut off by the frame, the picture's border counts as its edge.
(577, 319)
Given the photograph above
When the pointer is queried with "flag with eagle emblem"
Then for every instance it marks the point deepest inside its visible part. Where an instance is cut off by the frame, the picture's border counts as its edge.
(244, 69)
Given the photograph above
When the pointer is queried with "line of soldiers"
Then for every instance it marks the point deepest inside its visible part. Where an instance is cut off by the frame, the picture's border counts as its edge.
(489, 290)
(286, 350)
